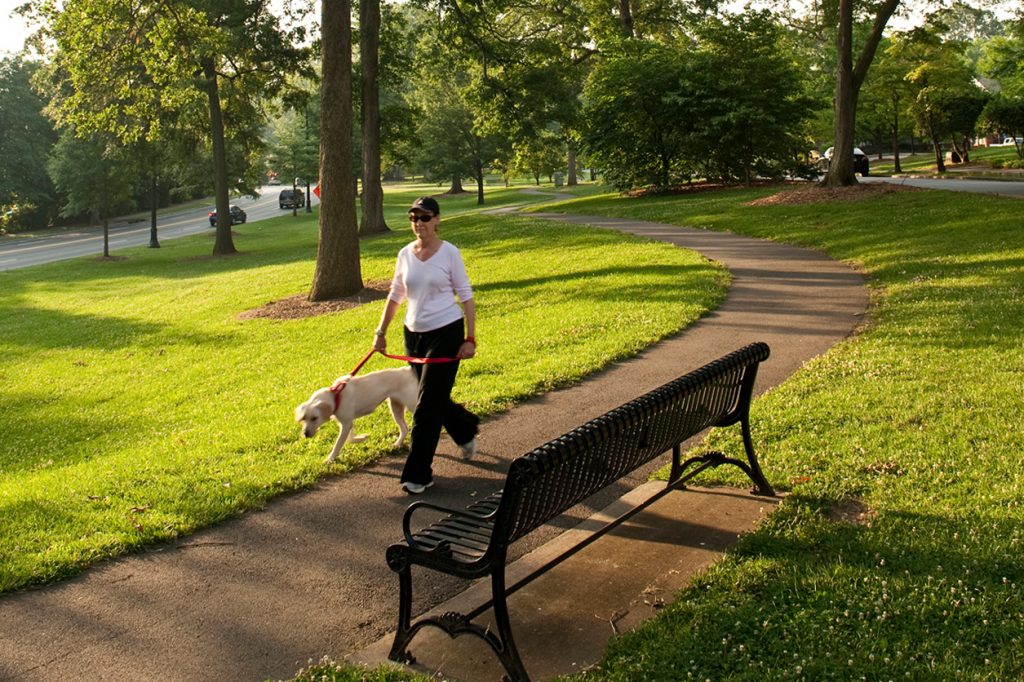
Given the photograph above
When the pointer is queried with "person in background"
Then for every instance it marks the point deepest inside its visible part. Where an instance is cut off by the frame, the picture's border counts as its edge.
(430, 274)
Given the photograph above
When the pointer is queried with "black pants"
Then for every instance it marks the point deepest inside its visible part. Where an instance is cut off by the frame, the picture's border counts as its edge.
(435, 407)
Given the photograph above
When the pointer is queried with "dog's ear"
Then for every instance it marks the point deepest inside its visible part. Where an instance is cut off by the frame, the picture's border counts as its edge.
(324, 407)
(300, 411)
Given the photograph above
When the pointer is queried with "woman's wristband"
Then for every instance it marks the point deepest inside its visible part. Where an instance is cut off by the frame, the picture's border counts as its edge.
(380, 332)
(470, 339)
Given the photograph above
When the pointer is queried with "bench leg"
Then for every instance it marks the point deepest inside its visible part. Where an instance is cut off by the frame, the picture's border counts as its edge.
(506, 649)
(755, 473)
(404, 633)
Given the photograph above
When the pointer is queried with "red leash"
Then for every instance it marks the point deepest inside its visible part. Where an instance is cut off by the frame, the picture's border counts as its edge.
(420, 361)
(338, 386)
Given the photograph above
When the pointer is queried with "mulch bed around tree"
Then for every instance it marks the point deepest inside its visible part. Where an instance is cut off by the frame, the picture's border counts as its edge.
(296, 307)
(811, 193)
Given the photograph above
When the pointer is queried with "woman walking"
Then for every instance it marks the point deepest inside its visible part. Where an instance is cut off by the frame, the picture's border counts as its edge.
(430, 274)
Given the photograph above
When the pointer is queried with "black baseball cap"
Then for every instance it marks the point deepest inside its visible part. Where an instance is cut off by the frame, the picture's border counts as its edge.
(428, 204)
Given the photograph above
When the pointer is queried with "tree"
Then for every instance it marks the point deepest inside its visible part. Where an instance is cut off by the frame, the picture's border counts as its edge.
(521, 65)
(540, 157)
(939, 78)
(372, 214)
(294, 147)
(1005, 114)
(91, 173)
(27, 197)
(883, 101)
(122, 64)
(629, 130)
(398, 44)
(849, 78)
(964, 110)
(1003, 59)
(746, 98)
(451, 147)
(730, 107)
(337, 271)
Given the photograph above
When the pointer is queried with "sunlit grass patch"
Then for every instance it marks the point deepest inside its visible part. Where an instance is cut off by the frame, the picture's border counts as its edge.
(136, 405)
(914, 419)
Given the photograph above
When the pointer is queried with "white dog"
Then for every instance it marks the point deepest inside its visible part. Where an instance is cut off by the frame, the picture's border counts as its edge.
(353, 397)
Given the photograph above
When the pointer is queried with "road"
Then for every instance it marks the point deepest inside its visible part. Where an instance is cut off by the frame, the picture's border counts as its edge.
(20, 253)
(16, 252)
(1005, 188)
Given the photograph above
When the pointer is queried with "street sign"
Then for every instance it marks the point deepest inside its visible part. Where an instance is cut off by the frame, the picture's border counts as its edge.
(316, 190)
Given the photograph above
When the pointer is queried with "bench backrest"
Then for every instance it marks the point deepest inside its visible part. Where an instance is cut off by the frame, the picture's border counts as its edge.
(563, 472)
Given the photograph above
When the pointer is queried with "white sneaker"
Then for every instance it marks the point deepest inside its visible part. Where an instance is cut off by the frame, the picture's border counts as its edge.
(415, 488)
(468, 449)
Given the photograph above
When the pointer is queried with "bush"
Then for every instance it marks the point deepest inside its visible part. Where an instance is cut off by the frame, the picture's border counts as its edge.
(722, 108)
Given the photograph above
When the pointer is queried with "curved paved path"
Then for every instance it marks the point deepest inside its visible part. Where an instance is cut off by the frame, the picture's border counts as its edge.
(260, 596)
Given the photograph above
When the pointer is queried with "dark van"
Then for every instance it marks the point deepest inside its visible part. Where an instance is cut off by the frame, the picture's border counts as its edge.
(291, 198)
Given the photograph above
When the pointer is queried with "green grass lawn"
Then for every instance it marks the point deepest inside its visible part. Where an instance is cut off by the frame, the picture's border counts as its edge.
(136, 406)
(982, 159)
(914, 422)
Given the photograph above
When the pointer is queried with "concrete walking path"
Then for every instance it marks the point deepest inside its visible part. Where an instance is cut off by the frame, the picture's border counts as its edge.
(260, 596)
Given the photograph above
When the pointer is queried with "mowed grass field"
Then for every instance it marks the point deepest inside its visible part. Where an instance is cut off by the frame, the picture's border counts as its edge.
(137, 404)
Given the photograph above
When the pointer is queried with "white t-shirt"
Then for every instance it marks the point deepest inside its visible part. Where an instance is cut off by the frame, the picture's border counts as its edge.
(430, 286)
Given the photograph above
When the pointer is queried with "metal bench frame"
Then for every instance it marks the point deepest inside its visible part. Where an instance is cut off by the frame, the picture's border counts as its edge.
(541, 485)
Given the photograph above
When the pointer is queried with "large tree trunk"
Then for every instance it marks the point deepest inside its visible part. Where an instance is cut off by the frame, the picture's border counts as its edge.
(337, 258)
(479, 182)
(848, 81)
(456, 187)
(571, 180)
(896, 133)
(154, 186)
(372, 214)
(626, 17)
(223, 244)
(940, 163)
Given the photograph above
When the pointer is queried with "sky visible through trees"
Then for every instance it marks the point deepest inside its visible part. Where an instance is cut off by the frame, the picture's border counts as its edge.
(14, 32)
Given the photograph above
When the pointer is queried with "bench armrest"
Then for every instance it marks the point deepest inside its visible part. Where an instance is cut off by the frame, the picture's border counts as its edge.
(407, 517)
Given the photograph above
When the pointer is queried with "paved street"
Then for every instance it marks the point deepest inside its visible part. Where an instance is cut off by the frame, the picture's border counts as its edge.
(18, 252)
(1005, 188)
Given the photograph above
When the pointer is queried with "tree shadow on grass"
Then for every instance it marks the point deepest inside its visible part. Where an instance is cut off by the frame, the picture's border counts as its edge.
(907, 592)
(40, 329)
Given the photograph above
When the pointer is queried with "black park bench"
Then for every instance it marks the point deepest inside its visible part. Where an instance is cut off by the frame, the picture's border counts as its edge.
(541, 485)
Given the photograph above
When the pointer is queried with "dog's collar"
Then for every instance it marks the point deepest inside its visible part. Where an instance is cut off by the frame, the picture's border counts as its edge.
(336, 388)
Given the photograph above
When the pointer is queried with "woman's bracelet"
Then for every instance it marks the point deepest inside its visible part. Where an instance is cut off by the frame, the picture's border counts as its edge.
(470, 339)
(380, 332)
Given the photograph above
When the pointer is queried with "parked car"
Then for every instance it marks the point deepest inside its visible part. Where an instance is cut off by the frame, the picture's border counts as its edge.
(860, 161)
(1010, 141)
(237, 215)
(291, 198)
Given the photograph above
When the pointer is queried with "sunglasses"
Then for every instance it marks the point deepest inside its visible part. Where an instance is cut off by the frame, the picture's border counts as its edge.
(422, 217)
